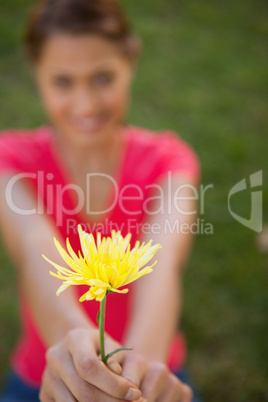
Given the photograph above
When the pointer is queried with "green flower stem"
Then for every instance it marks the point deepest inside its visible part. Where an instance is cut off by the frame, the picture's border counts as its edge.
(101, 320)
(101, 326)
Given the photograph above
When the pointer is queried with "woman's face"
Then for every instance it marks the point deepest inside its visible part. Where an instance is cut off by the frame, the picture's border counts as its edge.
(84, 84)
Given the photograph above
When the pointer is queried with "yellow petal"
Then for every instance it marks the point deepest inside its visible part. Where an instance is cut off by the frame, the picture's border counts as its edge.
(82, 237)
(97, 282)
(126, 241)
(86, 296)
(119, 291)
(100, 291)
(69, 261)
(91, 245)
(139, 274)
(71, 251)
(58, 267)
(148, 255)
(100, 298)
(98, 240)
(62, 288)
(106, 264)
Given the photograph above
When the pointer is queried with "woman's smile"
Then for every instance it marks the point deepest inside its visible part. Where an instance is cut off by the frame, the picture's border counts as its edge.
(88, 125)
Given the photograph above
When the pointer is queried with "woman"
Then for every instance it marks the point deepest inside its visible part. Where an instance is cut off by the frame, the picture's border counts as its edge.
(89, 168)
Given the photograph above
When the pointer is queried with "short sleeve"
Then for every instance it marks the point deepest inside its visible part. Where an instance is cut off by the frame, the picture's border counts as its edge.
(9, 153)
(20, 151)
(175, 155)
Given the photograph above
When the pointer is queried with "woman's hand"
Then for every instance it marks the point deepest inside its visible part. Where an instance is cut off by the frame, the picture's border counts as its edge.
(75, 372)
(155, 380)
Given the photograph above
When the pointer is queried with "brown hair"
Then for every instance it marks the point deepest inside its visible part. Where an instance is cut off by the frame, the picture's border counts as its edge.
(78, 17)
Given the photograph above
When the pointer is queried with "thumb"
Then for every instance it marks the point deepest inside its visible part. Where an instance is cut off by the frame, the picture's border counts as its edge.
(114, 366)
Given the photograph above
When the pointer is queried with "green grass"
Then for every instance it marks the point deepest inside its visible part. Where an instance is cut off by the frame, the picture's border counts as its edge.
(203, 73)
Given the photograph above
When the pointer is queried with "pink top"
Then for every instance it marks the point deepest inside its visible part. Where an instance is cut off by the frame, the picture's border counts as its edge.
(147, 158)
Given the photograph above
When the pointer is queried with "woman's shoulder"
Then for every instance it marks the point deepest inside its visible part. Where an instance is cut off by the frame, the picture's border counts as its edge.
(19, 148)
(143, 137)
(17, 137)
(163, 150)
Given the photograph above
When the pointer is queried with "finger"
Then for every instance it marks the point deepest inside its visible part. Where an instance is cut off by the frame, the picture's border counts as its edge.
(110, 346)
(90, 368)
(173, 391)
(80, 389)
(61, 381)
(155, 381)
(134, 368)
(176, 391)
(60, 393)
(114, 366)
(187, 394)
(44, 397)
(53, 389)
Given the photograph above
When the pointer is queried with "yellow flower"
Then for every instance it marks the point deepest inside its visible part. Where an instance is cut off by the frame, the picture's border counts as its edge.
(105, 266)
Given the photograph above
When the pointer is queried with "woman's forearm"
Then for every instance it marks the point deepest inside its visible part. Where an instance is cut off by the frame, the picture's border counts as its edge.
(158, 296)
(54, 316)
(27, 237)
(155, 314)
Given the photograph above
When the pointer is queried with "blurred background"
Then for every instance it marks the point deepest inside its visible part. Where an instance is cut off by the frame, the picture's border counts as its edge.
(203, 73)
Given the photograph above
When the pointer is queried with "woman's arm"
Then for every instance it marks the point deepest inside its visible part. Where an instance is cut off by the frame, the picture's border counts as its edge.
(158, 296)
(27, 237)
